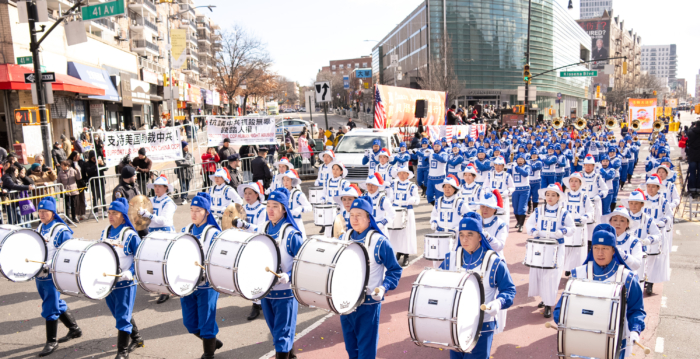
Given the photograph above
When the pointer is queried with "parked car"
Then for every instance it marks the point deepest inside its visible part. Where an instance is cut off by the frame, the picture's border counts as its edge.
(352, 146)
(295, 126)
(301, 109)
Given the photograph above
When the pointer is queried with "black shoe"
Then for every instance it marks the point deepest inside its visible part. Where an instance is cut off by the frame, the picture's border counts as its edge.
(547, 311)
(162, 299)
(122, 345)
(541, 305)
(405, 260)
(519, 227)
(567, 273)
(255, 311)
(398, 256)
(73, 330)
(648, 288)
(51, 342)
(209, 346)
(136, 338)
(291, 353)
(529, 208)
(219, 343)
(280, 355)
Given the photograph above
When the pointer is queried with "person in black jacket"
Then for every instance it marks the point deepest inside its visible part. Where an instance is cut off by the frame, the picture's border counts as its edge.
(59, 155)
(692, 151)
(415, 142)
(260, 169)
(351, 124)
(452, 119)
(225, 150)
(91, 169)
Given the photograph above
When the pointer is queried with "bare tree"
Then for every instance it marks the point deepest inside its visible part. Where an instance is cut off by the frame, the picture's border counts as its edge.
(440, 74)
(260, 84)
(624, 90)
(242, 57)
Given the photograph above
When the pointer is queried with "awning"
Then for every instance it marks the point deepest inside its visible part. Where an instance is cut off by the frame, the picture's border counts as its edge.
(12, 78)
(96, 77)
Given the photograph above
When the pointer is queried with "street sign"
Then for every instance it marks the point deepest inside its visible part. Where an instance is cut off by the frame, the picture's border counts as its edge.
(25, 60)
(346, 82)
(23, 116)
(578, 74)
(531, 93)
(559, 96)
(323, 91)
(104, 9)
(394, 61)
(363, 73)
(30, 78)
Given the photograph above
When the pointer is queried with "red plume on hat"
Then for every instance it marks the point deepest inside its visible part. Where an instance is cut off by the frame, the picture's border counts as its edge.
(454, 177)
(657, 176)
(642, 192)
(228, 175)
(359, 192)
(499, 199)
(295, 172)
(379, 178)
(260, 186)
(559, 185)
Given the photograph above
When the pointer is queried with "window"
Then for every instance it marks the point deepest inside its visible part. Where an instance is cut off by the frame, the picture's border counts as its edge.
(342, 66)
(333, 67)
(364, 64)
(357, 65)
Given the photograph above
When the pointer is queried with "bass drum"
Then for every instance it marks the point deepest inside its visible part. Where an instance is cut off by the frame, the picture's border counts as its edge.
(444, 310)
(20, 251)
(85, 268)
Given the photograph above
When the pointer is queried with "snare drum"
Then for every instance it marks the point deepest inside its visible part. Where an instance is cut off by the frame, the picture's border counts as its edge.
(236, 263)
(541, 253)
(400, 220)
(656, 248)
(331, 274)
(592, 318)
(444, 310)
(18, 247)
(79, 268)
(315, 194)
(324, 214)
(437, 245)
(165, 263)
(576, 239)
(642, 272)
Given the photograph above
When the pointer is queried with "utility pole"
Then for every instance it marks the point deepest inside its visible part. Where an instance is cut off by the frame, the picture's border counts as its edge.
(33, 16)
(527, 61)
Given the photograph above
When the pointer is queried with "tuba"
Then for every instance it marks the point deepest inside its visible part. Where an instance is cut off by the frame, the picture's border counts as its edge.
(636, 125)
(658, 125)
(557, 123)
(611, 123)
(580, 124)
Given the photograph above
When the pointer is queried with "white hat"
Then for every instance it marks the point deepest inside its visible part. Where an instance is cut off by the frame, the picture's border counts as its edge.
(284, 161)
(255, 186)
(589, 160)
(668, 170)
(335, 162)
(161, 181)
(451, 180)
(555, 187)
(384, 152)
(223, 173)
(328, 152)
(573, 175)
(375, 179)
(292, 173)
(654, 179)
(491, 200)
(499, 161)
(351, 191)
(623, 212)
(470, 168)
(635, 196)
(404, 169)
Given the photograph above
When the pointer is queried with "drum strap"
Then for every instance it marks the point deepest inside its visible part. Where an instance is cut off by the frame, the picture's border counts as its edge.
(122, 234)
(52, 230)
(618, 275)
(203, 238)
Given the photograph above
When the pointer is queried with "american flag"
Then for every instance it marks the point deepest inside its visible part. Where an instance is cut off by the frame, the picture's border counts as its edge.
(379, 114)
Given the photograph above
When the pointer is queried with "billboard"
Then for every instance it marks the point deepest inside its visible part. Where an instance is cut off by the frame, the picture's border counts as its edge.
(643, 110)
(399, 106)
(599, 31)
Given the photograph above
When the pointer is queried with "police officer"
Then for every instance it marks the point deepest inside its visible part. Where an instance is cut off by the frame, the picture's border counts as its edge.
(127, 184)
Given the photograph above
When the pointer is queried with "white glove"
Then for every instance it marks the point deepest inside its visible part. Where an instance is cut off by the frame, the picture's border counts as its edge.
(661, 224)
(487, 236)
(144, 213)
(378, 294)
(283, 279)
(625, 255)
(634, 337)
(596, 198)
(535, 233)
(126, 275)
(433, 225)
(493, 307)
(240, 223)
(296, 211)
(267, 191)
(558, 234)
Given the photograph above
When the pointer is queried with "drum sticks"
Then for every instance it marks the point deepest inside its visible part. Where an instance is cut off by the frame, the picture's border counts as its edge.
(550, 325)
(28, 261)
(111, 275)
(267, 269)
(199, 265)
(484, 307)
(646, 350)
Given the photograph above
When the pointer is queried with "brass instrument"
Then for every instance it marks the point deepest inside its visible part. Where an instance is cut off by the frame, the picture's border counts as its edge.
(557, 123)
(576, 161)
(635, 138)
(636, 125)
(658, 125)
(611, 123)
(580, 124)
(339, 226)
(137, 203)
(232, 212)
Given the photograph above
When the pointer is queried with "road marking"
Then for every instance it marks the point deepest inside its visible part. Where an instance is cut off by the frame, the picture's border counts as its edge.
(663, 302)
(678, 232)
(659, 345)
(674, 249)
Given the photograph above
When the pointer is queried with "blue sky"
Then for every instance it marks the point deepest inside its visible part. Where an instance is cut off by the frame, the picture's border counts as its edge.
(303, 35)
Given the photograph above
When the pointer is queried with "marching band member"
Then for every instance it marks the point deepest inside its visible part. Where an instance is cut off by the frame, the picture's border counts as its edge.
(469, 189)
(550, 221)
(615, 164)
(483, 165)
(628, 245)
(383, 212)
(404, 194)
(520, 173)
(344, 199)
(647, 231)
(325, 172)
(199, 308)
(222, 194)
(580, 207)
(502, 181)
(605, 264)
(454, 161)
(332, 187)
(474, 253)
(122, 235)
(670, 193)
(535, 180)
(607, 174)
(549, 163)
(657, 207)
(383, 166)
(495, 229)
(361, 327)
(436, 173)
(254, 195)
(422, 156)
(448, 210)
(402, 157)
(561, 164)
(371, 158)
(279, 306)
(298, 203)
(625, 156)
(283, 165)
(596, 188)
(53, 308)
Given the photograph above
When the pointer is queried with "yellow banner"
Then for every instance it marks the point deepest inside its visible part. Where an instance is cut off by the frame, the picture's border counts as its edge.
(178, 39)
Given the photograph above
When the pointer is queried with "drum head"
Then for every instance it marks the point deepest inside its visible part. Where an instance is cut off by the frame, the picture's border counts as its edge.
(253, 280)
(469, 314)
(15, 249)
(99, 258)
(180, 271)
(350, 278)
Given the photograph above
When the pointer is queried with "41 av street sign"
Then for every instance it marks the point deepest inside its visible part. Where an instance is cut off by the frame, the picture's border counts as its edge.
(104, 9)
(578, 74)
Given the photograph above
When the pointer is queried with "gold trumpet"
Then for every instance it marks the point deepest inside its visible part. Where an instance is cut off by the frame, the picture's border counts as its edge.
(636, 125)
(611, 123)
(580, 124)
(658, 125)
(557, 123)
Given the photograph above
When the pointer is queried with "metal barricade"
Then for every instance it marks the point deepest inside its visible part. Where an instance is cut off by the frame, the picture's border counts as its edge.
(100, 189)
(184, 183)
(15, 203)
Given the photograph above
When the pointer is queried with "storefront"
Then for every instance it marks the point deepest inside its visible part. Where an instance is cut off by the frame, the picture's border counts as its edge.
(96, 117)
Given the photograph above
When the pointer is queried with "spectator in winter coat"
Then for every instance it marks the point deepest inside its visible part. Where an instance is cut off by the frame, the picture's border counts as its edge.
(234, 169)
(69, 177)
(67, 146)
(142, 164)
(208, 166)
(77, 147)
(225, 150)
(59, 155)
(91, 169)
(41, 177)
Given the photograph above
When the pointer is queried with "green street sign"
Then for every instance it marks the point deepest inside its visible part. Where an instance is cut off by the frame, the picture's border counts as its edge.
(105, 9)
(578, 74)
(25, 60)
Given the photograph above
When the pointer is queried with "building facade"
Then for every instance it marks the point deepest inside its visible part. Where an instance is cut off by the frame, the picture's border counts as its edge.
(347, 66)
(660, 61)
(594, 8)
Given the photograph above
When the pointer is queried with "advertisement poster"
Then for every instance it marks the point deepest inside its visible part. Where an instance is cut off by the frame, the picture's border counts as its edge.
(599, 31)
(178, 40)
(398, 105)
(240, 130)
(644, 111)
(161, 145)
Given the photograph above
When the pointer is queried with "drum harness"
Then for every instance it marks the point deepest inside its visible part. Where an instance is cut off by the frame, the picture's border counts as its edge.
(52, 231)
(205, 232)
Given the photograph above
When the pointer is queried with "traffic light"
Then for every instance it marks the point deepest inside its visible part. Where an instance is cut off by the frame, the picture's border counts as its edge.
(597, 92)
(654, 93)
(527, 76)
(166, 83)
(624, 67)
(23, 116)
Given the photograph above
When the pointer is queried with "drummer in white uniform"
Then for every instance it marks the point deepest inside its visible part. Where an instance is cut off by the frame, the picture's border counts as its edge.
(657, 207)
(469, 189)
(448, 210)
(404, 196)
(332, 188)
(628, 245)
(474, 253)
(549, 221)
(53, 308)
(501, 180)
(298, 203)
(647, 232)
(383, 167)
(580, 206)
(283, 165)
(344, 200)
(325, 171)
(222, 195)
(381, 200)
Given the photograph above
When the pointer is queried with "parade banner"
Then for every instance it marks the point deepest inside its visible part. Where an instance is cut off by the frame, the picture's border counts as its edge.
(399, 106)
(643, 110)
(253, 130)
(162, 145)
(439, 132)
